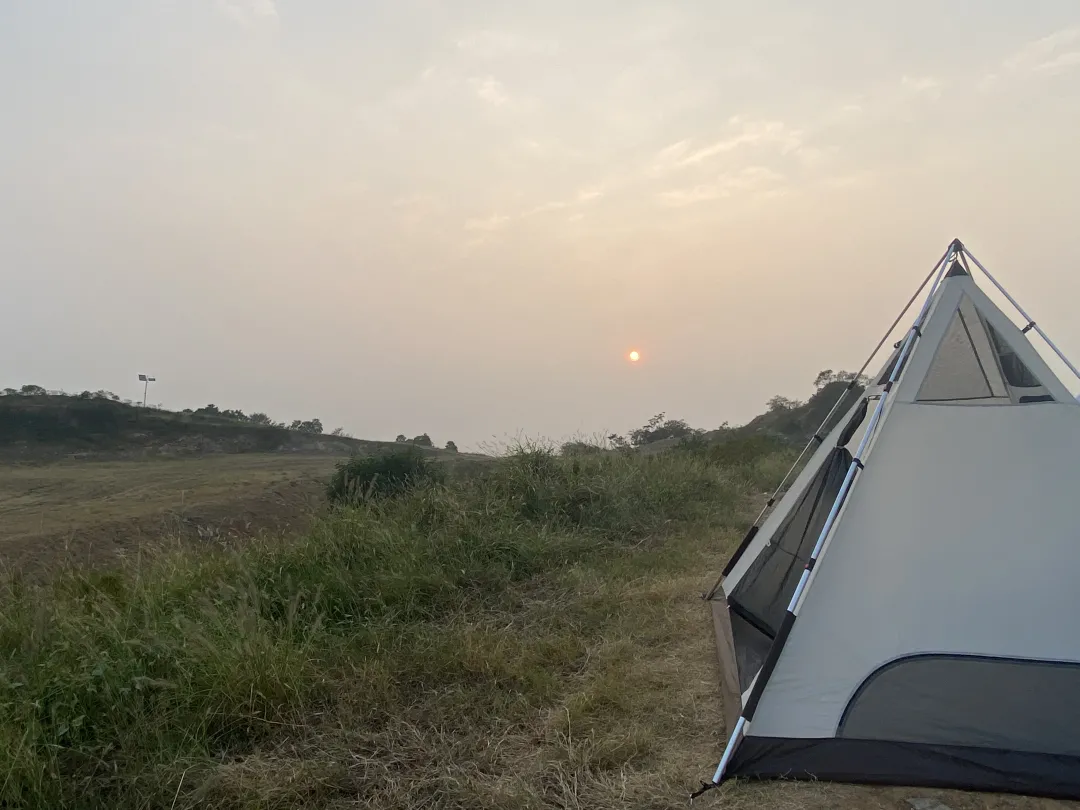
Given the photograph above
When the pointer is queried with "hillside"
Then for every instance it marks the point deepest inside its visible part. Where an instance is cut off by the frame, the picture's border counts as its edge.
(785, 422)
(49, 426)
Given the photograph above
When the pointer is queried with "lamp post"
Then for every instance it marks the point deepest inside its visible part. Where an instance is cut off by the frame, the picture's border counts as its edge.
(145, 380)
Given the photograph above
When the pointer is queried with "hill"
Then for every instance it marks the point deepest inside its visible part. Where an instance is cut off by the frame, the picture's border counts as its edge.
(44, 426)
(785, 422)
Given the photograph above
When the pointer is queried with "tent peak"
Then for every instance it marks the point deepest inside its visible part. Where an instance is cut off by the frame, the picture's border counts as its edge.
(956, 269)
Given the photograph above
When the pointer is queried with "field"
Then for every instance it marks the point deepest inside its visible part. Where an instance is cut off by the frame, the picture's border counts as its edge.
(95, 512)
(530, 637)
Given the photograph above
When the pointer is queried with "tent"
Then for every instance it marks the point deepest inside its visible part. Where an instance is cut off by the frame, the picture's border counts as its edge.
(906, 612)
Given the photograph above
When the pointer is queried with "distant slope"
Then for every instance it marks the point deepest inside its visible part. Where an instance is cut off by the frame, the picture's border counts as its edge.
(798, 423)
(50, 426)
(785, 423)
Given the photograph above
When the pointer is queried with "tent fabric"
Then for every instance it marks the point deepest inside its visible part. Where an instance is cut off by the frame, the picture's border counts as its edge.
(945, 303)
(731, 690)
(877, 762)
(931, 643)
(935, 552)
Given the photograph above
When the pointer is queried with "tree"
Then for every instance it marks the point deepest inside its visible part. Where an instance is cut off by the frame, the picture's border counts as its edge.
(238, 415)
(209, 410)
(10, 392)
(451, 447)
(779, 403)
(32, 391)
(423, 440)
(401, 438)
(340, 431)
(829, 376)
(260, 419)
(313, 426)
(659, 428)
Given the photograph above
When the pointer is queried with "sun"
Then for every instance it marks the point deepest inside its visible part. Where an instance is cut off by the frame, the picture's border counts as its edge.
(634, 356)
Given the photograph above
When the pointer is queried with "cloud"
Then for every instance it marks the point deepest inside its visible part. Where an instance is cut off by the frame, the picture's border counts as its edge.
(494, 43)
(1045, 54)
(490, 90)
(250, 12)
(747, 133)
(926, 86)
(583, 197)
(1048, 56)
(752, 181)
(489, 224)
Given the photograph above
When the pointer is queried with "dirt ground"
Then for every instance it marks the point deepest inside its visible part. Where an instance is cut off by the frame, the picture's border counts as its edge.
(94, 513)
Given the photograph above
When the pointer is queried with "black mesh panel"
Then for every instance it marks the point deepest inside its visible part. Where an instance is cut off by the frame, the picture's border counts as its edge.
(973, 701)
(1016, 373)
(751, 648)
(763, 593)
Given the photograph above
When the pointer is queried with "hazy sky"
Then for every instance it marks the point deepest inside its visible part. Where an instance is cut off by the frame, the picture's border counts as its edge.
(458, 217)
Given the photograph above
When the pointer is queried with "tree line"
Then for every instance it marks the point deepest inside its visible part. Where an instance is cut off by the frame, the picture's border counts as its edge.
(259, 419)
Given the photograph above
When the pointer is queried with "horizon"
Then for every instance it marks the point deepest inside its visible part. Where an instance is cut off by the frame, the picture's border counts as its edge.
(411, 218)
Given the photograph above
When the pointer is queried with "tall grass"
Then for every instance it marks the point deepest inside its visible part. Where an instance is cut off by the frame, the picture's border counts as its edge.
(406, 652)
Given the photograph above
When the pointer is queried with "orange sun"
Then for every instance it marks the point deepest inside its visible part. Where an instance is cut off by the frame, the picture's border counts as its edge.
(634, 356)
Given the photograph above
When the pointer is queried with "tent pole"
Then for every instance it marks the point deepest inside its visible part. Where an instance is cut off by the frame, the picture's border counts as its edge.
(941, 263)
(838, 502)
(729, 750)
(1020, 309)
(859, 373)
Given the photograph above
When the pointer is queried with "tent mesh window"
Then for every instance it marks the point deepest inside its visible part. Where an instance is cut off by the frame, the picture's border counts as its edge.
(759, 600)
(1022, 382)
(971, 701)
(965, 367)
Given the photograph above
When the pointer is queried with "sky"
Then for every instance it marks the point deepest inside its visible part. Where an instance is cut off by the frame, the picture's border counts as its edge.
(407, 216)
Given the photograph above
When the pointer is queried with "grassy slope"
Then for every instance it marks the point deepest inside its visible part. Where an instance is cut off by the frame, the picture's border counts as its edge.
(505, 641)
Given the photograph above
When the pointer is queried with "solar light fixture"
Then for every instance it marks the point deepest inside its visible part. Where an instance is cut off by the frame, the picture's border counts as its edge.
(146, 380)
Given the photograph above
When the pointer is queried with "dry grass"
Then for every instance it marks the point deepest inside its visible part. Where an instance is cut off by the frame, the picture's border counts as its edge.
(96, 513)
(50, 498)
(530, 639)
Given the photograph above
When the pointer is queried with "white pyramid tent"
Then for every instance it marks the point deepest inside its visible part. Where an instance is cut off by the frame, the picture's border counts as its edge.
(907, 613)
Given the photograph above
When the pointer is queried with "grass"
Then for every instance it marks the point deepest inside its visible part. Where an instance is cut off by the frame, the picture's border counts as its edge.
(95, 513)
(473, 644)
(529, 636)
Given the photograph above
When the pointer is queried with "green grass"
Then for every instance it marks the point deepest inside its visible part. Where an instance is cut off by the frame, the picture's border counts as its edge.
(528, 636)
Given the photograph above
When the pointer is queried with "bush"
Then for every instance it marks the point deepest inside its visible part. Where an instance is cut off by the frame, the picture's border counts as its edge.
(373, 477)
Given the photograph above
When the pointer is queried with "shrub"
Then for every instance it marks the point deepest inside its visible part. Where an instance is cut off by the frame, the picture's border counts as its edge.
(576, 447)
(373, 477)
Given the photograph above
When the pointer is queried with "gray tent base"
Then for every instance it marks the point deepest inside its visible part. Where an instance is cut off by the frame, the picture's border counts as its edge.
(876, 762)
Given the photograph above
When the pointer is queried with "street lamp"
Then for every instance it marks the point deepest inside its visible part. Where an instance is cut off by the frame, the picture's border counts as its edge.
(145, 380)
